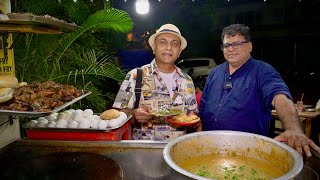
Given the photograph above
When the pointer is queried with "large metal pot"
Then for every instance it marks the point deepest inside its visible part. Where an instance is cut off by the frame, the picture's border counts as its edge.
(232, 142)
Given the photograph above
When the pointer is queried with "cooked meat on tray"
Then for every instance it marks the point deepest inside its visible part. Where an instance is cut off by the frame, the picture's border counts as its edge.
(41, 97)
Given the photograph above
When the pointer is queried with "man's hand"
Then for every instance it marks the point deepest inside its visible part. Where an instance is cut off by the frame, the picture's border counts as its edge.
(142, 115)
(298, 141)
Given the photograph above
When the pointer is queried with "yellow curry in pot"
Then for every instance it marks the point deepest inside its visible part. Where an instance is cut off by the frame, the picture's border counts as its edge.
(230, 167)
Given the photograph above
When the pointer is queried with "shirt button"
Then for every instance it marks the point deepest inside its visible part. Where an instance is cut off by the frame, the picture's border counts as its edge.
(225, 91)
(215, 120)
(229, 77)
(220, 105)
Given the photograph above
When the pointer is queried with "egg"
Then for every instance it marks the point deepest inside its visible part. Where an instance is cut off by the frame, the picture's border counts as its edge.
(95, 117)
(87, 113)
(61, 123)
(51, 124)
(44, 120)
(32, 123)
(55, 115)
(72, 110)
(77, 115)
(102, 124)
(62, 115)
(40, 118)
(94, 123)
(68, 114)
(80, 119)
(84, 124)
(123, 116)
(42, 124)
(113, 123)
(79, 111)
(118, 121)
(51, 117)
(68, 111)
(72, 124)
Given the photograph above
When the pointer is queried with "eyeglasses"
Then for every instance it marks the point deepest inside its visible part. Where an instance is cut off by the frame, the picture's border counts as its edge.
(235, 45)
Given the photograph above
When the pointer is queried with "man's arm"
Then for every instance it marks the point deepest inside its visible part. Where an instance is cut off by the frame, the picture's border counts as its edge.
(287, 113)
(138, 115)
(293, 134)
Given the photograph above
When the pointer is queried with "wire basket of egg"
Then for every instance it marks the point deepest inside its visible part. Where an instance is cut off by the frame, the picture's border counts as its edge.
(80, 119)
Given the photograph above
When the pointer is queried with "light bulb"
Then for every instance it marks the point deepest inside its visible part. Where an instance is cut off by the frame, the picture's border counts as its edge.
(142, 6)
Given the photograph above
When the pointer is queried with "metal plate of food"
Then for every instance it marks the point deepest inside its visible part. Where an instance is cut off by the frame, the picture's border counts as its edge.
(39, 114)
(53, 22)
(78, 129)
(166, 112)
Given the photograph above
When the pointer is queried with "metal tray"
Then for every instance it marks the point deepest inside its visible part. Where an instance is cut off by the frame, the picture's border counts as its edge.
(77, 129)
(39, 114)
(21, 18)
(27, 19)
(53, 23)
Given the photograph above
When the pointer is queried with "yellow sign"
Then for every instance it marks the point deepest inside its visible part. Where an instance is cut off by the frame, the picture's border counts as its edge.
(6, 55)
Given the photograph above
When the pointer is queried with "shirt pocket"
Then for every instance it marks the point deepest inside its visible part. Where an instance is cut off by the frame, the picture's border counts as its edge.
(244, 99)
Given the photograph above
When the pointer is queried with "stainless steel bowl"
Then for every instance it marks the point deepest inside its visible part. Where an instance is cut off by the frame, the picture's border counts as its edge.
(240, 143)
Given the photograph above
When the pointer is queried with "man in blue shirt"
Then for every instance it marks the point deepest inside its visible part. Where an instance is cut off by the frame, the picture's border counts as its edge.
(240, 94)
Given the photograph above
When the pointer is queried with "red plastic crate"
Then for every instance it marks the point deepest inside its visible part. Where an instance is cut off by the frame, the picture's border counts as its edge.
(122, 133)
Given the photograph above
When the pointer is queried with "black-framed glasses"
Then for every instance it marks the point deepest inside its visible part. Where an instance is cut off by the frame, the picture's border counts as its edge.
(235, 45)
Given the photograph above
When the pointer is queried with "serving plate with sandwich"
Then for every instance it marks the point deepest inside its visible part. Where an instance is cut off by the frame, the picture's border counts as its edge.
(183, 119)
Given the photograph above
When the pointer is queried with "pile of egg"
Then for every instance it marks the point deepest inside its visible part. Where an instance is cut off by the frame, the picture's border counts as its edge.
(82, 119)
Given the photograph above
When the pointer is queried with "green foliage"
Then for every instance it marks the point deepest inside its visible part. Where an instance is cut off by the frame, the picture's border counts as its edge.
(78, 58)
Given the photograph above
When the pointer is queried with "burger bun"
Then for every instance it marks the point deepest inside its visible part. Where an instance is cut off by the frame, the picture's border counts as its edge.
(8, 81)
(6, 94)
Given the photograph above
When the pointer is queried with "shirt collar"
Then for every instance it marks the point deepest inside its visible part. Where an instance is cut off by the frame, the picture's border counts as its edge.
(242, 68)
(154, 69)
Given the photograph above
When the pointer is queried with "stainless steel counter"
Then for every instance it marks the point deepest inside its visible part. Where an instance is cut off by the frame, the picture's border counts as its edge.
(141, 160)
(137, 159)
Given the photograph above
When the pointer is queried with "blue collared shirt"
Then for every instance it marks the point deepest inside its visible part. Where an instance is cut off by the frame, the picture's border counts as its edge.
(247, 105)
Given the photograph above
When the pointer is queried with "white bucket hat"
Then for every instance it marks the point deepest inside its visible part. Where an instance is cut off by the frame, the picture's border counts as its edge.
(171, 29)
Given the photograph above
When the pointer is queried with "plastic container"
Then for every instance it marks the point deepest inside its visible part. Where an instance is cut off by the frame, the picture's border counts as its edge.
(122, 133)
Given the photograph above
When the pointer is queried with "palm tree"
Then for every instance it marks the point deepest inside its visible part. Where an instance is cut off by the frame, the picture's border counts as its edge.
(80, 57)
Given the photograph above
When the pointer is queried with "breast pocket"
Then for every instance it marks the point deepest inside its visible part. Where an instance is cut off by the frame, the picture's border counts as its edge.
(245, 99)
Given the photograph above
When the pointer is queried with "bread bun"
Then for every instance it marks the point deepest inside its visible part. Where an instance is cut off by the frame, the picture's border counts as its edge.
(191, 118)
(6, 94)
(185, 118)
(8, 80)
(110, 114)
(180, 117)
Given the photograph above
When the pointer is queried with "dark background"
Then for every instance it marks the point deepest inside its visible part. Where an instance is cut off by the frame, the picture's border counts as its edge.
(285, 33)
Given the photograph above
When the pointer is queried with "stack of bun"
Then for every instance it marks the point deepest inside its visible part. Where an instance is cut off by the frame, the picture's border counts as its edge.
(7, 84)
(113, 117)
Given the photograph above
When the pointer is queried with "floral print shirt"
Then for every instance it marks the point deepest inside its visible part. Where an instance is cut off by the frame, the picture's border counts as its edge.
(155, 95)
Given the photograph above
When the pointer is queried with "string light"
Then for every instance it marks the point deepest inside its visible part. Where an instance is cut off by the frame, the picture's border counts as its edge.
(142, 6)
(159, 0)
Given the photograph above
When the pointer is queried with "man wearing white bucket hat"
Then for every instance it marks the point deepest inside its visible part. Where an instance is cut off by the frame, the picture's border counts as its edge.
(164, 86)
